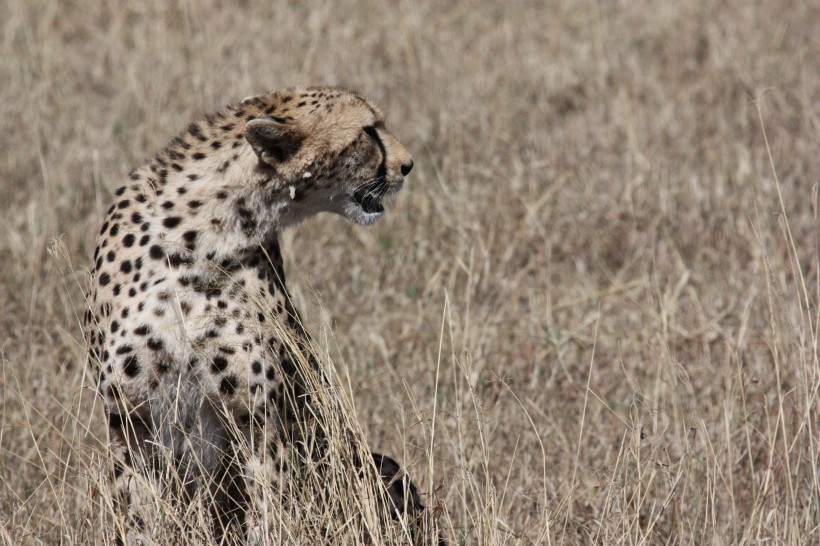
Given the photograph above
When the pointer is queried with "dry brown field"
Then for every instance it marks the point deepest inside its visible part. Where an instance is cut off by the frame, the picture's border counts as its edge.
(591, 316)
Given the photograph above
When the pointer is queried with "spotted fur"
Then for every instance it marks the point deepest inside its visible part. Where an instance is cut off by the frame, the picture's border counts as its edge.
(189, 313)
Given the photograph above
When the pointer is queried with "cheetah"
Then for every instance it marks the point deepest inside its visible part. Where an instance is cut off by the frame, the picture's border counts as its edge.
(187, 262)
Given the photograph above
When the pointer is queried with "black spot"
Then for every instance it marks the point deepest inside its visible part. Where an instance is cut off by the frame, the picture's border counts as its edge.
(270, 373)
(115, 326)
(228, 385)
(240, 328)
(211, 290)
(287, 365)
(171, 221)
(168, 205)
(123, 204)
(140, 198)
(142, 330)
(156, 252)
(105, 278)
(176, 166)
(117, 289)
(115, 420)
(196, 132)
(144, 240)
(226, 350)
(131, 366)
(219, 364)
(194, 203)
(125, 266)
(110, 256)
(256, 367)
(190, 239)
(132, 292)
(174, 154)
(136, 217)
(155, 344)
(121, 189)
(216, 145)
(114, 230)
(222, 194)
(198, 156)
(128, 240)
(124, 349)
(253, 261)
(177, 259)
(246, 221)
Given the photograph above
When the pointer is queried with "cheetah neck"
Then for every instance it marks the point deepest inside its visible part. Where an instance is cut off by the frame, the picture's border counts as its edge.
(199, 201)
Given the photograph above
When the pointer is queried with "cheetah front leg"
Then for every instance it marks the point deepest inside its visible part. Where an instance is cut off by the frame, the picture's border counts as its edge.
(133, 493)
(269, 502)
(158, 497)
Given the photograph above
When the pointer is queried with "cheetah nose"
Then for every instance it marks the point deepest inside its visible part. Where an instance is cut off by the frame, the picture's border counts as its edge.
(406, 168)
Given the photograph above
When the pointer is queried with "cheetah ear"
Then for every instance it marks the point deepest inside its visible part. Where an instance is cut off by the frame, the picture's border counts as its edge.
(273, 141)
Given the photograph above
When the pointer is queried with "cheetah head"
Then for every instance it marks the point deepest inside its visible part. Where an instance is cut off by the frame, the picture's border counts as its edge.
(328, 150)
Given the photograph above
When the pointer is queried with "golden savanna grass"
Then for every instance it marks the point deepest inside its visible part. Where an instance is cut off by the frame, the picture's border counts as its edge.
(592, 315)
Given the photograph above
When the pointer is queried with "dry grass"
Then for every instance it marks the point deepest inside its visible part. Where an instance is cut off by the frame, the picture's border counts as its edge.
(592, 317)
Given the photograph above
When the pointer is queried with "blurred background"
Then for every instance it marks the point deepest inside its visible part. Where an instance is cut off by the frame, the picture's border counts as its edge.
(601, 278)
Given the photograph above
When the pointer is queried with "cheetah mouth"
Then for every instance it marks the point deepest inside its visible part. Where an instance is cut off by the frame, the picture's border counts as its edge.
(369, 203)
(370, 196)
